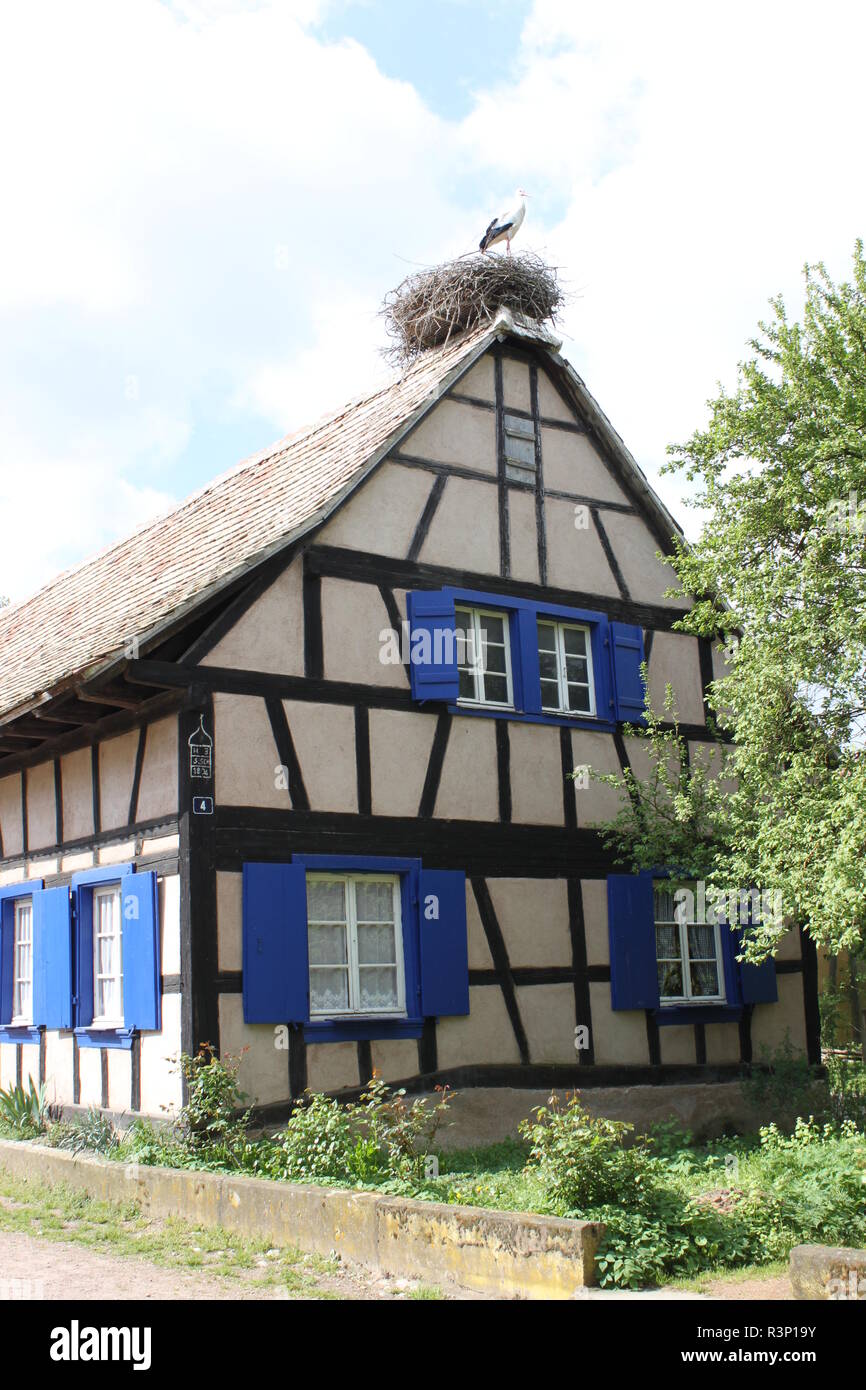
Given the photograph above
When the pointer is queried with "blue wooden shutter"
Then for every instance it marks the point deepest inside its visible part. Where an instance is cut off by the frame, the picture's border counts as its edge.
(275, 961)
(626, 655)
(52, 958)
(730, 939)
(141, 984)
(634, 982)
(82, 905)
(444, 952)
(431, 616)
(758, 982)
(6, 959)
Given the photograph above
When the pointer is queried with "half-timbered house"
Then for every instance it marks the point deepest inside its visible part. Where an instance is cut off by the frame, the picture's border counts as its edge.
(287, 771)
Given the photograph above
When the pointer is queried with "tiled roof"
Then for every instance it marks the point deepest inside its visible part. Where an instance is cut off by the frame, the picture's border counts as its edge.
(82, 618)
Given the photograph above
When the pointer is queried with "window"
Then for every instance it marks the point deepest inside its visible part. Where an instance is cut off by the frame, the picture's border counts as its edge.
(107, 957)
(565, 668)
(519, 449)
(484, 657)
(688, 954)
(22, 957)
(355, 943)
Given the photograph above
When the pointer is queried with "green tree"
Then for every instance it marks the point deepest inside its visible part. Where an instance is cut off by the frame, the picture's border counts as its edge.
(780, 473)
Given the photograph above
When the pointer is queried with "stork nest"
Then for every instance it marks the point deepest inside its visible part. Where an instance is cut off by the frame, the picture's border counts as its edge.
(432, 306)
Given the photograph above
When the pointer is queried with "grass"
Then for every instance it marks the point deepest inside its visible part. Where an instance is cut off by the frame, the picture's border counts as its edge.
(61, 1213)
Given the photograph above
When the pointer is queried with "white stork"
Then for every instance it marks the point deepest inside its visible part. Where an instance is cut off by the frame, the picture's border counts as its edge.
(505, 228)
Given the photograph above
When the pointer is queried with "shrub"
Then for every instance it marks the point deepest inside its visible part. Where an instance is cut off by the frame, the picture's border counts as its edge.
(24, 1112)
(395, 1136)
(583, 1160)
(92, 1133)
(211, 1125)
(316, 1143)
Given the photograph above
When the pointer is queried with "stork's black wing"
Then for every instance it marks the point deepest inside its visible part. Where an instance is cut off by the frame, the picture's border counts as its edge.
(495, 229)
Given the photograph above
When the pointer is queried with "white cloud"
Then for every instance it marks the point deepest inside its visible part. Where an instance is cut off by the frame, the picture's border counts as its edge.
(208, 199)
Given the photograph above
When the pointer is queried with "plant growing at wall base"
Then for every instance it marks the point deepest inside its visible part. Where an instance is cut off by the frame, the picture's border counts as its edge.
(583, 1160)
(24, 1112)
(212, 1124)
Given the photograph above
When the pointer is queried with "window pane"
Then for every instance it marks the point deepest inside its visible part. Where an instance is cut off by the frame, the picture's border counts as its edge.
(492, 629)
(329, 989)
(326, 902)
(466, 689)
(374, 902)
(376, 945)
(546, 637)
(668, 943)
(664, 903)
(705, 978)
(547, 665)
(496, 689)
(702, 942)
(576, 669)
(574, 641)
(378, 987)
(550, 694)
(327, 945)
(494, 658)
(670, 980)
(578, 698)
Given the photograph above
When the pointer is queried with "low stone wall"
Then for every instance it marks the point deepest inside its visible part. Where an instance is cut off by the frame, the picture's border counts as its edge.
(505, 1254)
(828, 1272)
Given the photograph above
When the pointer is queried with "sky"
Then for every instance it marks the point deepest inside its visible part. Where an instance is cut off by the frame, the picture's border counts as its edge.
(205, 202)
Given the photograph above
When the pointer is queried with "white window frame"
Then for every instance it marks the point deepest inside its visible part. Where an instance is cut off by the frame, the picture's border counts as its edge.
(477, 648)
(560, 628)
(354, 1010)
(101, 892)
(22, 950)
(683, 927)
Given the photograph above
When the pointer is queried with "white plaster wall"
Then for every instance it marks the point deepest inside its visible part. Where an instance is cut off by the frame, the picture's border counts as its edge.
(160, 1077)
(523, 535)
(324, 739)
(575, 558)
(550, 403)
(478, 949)
(229, 920)
(484, 1034)
(674, 660)
(41, 814)
(464, 532)
(11, 826)
(572, 464)
(59, 1068)
(455, 433)
(400, 743)
(354, 619)
(169, 921)
(594, 898)
(597, 802)
(533, 917)
(90, 1076)
(395, 1060)
(157, 791)
(635, 549)
(548, 1017)
(116, 773)
(537, 781)
(77, 782)
(245, 753)
(331, 1066)
(119, 1079)
(264, 1068)
(381, 517)
(469, 787)
(478, 381)
(515, 384)
(618, 1037)
(772, 1022)
(270, 635)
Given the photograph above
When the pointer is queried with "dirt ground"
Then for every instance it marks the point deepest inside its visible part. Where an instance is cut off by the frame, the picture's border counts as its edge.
(48, 1269)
